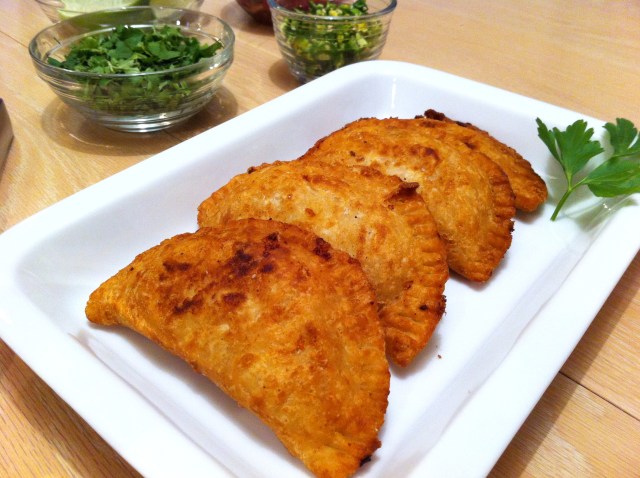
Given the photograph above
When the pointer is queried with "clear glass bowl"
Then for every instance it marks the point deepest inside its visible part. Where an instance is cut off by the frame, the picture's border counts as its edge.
(56, 9)
(118, 101)
(314, 45)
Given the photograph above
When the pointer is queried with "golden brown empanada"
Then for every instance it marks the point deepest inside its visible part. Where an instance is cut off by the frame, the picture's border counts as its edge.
(378, 219)
(281, 321)
(468, 195)
(529, 189)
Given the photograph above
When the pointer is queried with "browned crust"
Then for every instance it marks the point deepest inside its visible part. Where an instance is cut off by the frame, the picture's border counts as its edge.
(468, 195)
(378, 219)
(529, 188)
(281, 321)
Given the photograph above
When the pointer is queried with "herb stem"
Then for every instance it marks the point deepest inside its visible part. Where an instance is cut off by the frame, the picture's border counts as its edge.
(563, 199)
(573, 148)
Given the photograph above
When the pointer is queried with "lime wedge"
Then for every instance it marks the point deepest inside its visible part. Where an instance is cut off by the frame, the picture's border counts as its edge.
(75, 7)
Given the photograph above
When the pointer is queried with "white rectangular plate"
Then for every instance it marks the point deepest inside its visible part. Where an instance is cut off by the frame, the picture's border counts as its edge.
(470, 389)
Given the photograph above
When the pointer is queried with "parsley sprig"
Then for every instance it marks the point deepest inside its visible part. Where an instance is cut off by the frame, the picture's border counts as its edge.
(573, 148)
(127, 50)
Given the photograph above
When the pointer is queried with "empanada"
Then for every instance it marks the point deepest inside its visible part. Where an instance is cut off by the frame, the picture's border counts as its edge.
(378, 219)
(468, 195)
(281, 321)
(529, 189)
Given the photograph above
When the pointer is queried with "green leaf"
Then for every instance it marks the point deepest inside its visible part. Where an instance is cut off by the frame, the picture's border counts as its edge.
(121, 51)
(576, 147)
(548, 139)
(614, 177)
(623, 137)
(161, 51)
(573, 148)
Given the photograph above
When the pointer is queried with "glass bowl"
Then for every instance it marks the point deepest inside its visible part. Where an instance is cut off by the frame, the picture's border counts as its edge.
(313, 45)
(60, 10)
(142, 101)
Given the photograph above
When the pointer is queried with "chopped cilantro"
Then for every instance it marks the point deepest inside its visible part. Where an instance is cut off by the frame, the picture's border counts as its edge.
(127, 50)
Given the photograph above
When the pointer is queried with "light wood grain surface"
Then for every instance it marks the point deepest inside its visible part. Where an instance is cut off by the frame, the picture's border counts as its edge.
(582, 55)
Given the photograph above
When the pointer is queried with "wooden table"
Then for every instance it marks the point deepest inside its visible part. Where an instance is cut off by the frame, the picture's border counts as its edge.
(581, 55)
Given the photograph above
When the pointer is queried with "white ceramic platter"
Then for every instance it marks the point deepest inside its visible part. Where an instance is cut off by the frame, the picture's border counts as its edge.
(493, 355)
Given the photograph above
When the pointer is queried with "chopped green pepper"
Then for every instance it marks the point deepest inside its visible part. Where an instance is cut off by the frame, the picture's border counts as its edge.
(324, 46)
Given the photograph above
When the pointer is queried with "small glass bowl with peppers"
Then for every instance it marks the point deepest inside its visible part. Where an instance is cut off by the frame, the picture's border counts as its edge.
(317, 37)
(135, 69)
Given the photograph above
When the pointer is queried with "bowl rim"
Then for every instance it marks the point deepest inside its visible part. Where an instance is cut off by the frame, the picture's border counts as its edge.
(227, 47)
(274, 7)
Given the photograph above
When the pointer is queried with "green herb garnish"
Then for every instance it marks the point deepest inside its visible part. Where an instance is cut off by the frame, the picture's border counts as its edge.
(327, 45)
(618, 175)
(127, 50)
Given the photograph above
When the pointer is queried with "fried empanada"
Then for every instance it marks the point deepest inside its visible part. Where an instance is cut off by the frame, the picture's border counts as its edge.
(275, 316)
(529, 189)
(378, 219)
(468, 195)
